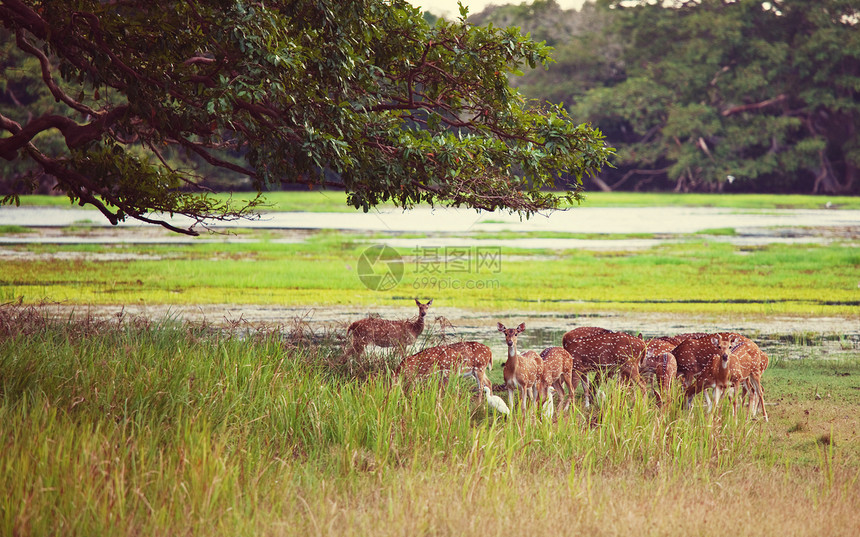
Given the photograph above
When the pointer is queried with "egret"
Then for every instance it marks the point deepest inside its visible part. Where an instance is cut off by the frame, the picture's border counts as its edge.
(496, 402)
(548, 406)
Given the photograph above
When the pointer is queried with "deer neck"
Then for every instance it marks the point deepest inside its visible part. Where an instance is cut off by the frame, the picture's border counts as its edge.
(416, 327)
(512, 353)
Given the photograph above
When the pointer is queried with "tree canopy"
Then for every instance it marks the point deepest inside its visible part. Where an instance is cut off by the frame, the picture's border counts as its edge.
(115, 99)
(745, 90)
(709, 94)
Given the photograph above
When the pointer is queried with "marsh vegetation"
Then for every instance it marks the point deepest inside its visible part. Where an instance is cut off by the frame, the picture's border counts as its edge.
(129, 426)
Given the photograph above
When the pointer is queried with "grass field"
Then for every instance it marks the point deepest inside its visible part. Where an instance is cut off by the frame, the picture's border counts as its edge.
(130, 427)
(142, 426)
(699, 275)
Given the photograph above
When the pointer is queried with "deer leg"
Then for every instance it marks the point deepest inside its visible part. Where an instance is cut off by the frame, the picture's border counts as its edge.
(482, 381)
(355, 348)
(574, 383)
(708, 399)
(690, 394)
(568, 394)
(586, 389)
(760, 392)
(594, 387)
(750, 395)
(657, 396)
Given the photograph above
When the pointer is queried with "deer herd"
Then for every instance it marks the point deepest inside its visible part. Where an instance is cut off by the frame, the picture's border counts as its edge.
(700, 361)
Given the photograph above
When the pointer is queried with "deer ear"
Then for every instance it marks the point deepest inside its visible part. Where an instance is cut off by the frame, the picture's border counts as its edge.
(417, 302)
(521, 327)
(501, 327)
(715, 341)
(431, 301)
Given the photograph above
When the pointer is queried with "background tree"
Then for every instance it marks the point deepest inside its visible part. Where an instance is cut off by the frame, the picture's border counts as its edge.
(362, 95)
(767, 94)
(587, 52)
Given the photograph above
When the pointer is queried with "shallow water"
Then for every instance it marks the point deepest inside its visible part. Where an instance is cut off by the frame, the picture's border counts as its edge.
(780, 336)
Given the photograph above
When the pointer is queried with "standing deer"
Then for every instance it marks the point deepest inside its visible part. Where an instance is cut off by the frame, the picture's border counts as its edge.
(715, 369)
(762, 365)
(383, 333)
(558, 371)
(469, 357)
(521, 371)
(659, 362)
(747, 368)
(691, 355)
(609, 352)
(582, 332)
(749, 365)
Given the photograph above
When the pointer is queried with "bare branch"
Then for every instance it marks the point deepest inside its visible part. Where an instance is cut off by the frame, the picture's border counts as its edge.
(754, 106)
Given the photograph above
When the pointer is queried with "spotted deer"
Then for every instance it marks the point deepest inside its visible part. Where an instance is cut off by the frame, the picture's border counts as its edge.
(609, 352)
(559, 371)
(521, 371)
(747, 368)
(384, 333)
(687, 357)
(659, 363)
(582, 332)
(469, 357)
(715, 363)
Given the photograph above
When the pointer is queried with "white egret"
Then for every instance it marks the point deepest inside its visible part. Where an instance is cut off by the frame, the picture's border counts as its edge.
(549, 406)
(496, 403)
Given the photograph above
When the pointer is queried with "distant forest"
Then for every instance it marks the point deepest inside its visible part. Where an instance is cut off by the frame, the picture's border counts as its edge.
(706, 95)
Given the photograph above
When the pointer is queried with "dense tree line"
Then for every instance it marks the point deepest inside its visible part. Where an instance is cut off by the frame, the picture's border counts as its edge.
(708, 94)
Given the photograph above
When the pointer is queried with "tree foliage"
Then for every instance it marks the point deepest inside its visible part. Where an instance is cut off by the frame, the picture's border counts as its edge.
(707, 94)
(714, 90)
(361, 95)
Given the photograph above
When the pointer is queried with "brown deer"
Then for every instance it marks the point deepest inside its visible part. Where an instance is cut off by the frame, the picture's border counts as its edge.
(468, 357)
(521, 371)
(691, 355)
(609, 352)
(757, 389)
(383, 333)
(747, 368)
(659, 363)
(715, 369)
(557, 372)
(581, 333)
(747, 371)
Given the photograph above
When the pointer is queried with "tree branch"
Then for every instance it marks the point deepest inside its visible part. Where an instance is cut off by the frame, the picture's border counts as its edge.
(75, 135)
(55, 90)
(754, 106)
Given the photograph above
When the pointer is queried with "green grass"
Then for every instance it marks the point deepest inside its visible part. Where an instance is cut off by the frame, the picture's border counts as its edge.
(131, 427)
(695, 276)
(335, 201)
